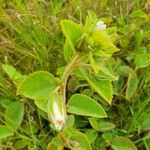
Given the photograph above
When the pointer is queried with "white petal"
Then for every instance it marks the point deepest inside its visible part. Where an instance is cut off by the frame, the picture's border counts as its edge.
(57, 112)
(58, 118)
(100, 25)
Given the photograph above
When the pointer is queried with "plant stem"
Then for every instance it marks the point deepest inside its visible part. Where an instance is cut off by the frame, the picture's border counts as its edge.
(66, 74)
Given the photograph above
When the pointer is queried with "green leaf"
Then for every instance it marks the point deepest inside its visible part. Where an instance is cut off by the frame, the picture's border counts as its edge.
(91, 135)
(77, 72)
(108, 136)
(81, 122)
(13, 74)
(93, 63)
(83, 105)
(102, 87)
(21, 143)
(103, 44)
(70, 121)
(100, 125)
(142, 60)
(122, 143)
(89, 26)
(60, 71)
(71, 30)
(92, 15)
(117, 86)
(77, 140)
(14, 115)
(147, 143)
(124, 70)
(55, 144)
(139, 14)
(5, 102)
(68, 50)
(42, 104)
(132, 85)
(112, 32)
(145, 122)
(38, 85)
(5, 131)
(105, 73)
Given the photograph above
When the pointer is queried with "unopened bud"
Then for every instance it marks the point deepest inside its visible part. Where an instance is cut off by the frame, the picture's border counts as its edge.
(56, 110)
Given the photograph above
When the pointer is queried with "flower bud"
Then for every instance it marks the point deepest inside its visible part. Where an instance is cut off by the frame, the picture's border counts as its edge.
(100, 25)
(56, 110)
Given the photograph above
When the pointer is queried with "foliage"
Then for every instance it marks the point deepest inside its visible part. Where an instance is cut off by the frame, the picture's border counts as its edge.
(77, 78)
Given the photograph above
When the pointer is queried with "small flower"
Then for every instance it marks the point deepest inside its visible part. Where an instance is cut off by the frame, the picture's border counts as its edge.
(58, 117)
(56, 111)
(100, 25)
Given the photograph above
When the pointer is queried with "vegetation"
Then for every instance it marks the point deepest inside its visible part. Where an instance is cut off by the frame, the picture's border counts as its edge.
(74, 75)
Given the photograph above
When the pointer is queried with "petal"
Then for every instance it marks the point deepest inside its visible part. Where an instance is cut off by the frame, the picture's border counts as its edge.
(100, 25)
(57, 112)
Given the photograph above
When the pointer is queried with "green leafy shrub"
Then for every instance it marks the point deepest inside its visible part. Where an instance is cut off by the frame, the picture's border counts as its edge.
(98, 100)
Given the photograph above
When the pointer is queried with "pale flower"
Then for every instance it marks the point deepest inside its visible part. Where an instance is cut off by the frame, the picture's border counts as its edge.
(56, 111)
(100, 25)
(58, 117)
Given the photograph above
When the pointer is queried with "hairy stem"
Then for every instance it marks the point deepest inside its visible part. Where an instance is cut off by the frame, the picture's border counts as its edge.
(66, 74)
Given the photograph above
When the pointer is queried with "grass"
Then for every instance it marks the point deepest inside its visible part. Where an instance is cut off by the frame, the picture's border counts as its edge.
(31, 39)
